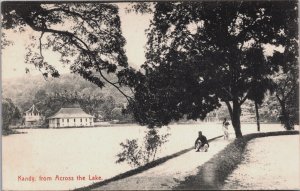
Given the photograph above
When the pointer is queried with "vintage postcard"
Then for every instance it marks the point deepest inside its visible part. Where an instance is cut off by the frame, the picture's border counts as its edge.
(160, 95)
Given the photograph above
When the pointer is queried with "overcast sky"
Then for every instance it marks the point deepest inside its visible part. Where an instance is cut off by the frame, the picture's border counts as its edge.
(133, 28)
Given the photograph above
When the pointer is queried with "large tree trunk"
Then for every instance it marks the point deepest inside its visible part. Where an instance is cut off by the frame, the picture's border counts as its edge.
(235, 113)
(257, 116)
(236, 123)
(285, 119)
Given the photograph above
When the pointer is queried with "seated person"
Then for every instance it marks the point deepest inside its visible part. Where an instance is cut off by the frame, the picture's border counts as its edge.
(201, 143)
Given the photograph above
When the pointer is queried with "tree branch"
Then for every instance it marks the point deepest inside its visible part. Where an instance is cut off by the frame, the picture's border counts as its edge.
(246, 97)
(40, 40)
(126, 96)
(280, 101)
(229, 108)
(44, 29)
(73, 13)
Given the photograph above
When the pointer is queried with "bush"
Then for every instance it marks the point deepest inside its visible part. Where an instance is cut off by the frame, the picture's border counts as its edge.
(136, 155)
(9, 113)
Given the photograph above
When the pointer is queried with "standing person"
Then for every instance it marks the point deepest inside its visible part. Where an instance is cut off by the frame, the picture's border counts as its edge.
(225, 129)
(201, 142)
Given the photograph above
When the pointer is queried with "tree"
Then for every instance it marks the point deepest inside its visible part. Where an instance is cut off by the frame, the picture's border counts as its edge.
(287, 78)
(261, 83)
(40, 96)
(50, 104)
(116, 113)
(119, 113)
(287, 96)
(201, 53)
(9, 113)
(270, 108)
(87, 36)
(107, 107)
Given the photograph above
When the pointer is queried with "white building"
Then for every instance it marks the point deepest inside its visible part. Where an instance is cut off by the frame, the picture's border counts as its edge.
(71, 117)
(32, 117)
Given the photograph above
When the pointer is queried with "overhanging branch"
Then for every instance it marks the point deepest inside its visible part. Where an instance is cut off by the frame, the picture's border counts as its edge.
(78, 44)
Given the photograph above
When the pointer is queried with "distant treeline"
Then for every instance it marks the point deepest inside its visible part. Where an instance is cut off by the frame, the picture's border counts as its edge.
(49, 95)
(105, 104)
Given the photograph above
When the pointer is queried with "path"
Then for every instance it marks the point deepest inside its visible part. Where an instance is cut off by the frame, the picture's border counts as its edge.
(168, 175)
(275, 165)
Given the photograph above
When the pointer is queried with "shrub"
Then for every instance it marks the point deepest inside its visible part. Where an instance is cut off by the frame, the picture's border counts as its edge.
(136, 155)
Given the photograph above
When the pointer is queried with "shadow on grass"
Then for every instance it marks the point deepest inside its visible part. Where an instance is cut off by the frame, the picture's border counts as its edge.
(141, 168)
(213, 173)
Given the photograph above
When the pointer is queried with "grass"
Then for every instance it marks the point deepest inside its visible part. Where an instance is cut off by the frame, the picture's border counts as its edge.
(213, 173)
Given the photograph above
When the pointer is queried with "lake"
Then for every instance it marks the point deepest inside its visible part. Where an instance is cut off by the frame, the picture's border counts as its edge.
(52, 159)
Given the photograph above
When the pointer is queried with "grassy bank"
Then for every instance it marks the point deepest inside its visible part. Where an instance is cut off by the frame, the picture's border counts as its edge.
(213, 173)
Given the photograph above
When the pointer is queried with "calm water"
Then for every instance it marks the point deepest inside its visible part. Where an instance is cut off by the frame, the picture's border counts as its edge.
(87, 151)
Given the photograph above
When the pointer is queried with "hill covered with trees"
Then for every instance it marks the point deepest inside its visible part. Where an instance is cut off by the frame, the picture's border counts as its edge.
(51, 94)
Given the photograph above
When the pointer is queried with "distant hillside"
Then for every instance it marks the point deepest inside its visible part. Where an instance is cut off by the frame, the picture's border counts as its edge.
(22, 90)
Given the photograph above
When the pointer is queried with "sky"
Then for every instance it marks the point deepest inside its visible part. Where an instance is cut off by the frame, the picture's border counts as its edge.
(133, 28)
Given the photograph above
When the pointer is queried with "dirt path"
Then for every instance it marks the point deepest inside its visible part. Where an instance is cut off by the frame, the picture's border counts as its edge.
(169, 174)
(270, 163)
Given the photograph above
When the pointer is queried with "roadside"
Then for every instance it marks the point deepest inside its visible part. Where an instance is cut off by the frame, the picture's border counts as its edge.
(275, 165)
(171, 173)
(212, 174)
(184, 172)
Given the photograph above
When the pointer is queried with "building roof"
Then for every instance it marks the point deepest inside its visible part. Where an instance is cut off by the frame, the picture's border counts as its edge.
(70, 112)
(33, 109)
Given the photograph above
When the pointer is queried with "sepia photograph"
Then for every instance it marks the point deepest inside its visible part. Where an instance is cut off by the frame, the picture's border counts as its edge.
(150, 95)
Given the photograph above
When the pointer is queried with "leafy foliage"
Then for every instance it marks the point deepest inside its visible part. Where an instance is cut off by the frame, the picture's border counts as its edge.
(287, 80)
(9, 113)
(131, 153)
(139, 155)
(140, 7)
(287, 96)
(122, 115)
(87, 36)
(100, 107)
(50, 95)
(23, 90)
(200, 53)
